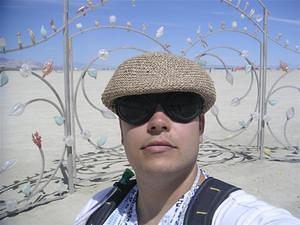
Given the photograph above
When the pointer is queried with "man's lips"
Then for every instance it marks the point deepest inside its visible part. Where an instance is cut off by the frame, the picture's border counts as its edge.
(158, 146)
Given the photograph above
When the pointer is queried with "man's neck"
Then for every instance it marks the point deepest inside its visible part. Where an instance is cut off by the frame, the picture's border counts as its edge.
(157, 194)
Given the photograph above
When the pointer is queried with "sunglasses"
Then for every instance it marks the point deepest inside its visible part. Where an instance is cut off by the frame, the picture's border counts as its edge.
(180, 107)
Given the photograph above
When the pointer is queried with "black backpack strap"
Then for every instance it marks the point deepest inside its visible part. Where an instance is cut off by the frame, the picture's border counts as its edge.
(103, 212)
(211, 193)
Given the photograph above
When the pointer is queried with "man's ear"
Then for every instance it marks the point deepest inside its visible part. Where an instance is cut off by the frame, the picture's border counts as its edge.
(201, 123)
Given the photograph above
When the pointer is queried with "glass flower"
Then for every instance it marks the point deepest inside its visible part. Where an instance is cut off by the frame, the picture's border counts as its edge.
(37, 139)
(79, 26)
(234, 25)
(47, 67)
(189, 41)
(290, 113)
(69, 141)
(59, 120)
(101, 141)
(85, 134)
(229, 77)
(235, 101)
(92, 72)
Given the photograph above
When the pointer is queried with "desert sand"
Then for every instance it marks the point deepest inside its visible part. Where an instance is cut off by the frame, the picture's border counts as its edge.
(275, 179)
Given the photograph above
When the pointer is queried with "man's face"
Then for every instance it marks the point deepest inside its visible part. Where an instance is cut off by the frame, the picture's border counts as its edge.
(161, 145)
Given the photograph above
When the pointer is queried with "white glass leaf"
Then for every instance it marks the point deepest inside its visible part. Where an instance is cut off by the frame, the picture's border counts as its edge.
(26, 189)
(198, 31)
(101, 141)
(238, 3)
(108, 114)
(286, 44)
(59, 120)
(244, 53)
(290, 113)
(160, 32)
(85, 134)
(297, 47)
(129, 24)
(251, 13)
(11, 205)
(189, 41)
(69, 141)
(273, 102)
(235, 101)
(3, 79)
(103, 54)
(43, 31)
(112, 20)
(17, 109)
(214, 110)
(210, 27)
(25, 70)
(245, 28)
(92, 72)
(79, 26)
(242, 16)
(97, 23)
(246, 6)
(267, 118)
(7, 165)
(259, 18)
(229, 77)
(234, 24)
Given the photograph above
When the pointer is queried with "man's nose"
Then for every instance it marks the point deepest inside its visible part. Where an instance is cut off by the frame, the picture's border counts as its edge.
(159, 122)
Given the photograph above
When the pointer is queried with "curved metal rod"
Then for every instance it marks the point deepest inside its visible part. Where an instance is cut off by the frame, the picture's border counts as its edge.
(41, 174)
(282, 87)
(246, 58)
(275, 83)
(244, 13)
(285, 136)
(203, 37)
(283, 46)
(121, 28)
(52, 89)
(45, 100)
(52, 176)
(274, 136)
(217, 118)
(60, 29)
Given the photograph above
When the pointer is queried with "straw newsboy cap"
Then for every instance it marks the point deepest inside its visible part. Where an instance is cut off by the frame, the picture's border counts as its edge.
(159, 73)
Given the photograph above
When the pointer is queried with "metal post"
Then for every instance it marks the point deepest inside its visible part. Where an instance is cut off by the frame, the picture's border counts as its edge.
(262, 87)
(68, 127)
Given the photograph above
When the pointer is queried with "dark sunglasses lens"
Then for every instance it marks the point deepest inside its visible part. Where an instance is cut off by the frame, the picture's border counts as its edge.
(183, 107)
(134, 109)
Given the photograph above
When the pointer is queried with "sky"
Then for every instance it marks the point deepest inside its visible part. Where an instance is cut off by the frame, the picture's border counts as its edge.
(180, 18)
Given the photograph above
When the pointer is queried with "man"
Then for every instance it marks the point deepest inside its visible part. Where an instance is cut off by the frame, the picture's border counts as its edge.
(161, 100)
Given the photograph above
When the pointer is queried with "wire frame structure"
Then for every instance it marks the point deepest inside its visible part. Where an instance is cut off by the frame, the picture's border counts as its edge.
(71, 164)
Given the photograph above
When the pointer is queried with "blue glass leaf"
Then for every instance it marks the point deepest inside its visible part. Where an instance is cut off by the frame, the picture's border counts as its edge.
(59, 120)
(3, 79)
(235, 101)
(101, 141)
(17, 109)
(92, 73)
(273, 102)
(290, 113)
(7, 165)
(248, 68)
(243, 124)
(26, 189)
(11, 205)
